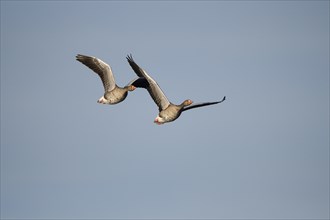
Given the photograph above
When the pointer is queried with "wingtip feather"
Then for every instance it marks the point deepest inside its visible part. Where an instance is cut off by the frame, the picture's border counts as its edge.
(129, 58)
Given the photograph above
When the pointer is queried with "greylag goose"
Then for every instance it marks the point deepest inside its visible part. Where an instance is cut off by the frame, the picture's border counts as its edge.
(113, 94)
(167, 111)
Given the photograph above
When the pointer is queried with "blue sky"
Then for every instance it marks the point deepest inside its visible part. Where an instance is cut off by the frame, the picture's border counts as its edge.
(263, 153)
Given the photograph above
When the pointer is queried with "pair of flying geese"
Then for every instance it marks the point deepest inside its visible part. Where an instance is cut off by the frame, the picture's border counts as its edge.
(114, 94)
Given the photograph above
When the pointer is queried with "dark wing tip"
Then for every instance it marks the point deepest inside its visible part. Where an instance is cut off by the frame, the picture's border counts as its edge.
(139, 71)
(224, 98)
(81, 57)
(129, 58)
(78, 56)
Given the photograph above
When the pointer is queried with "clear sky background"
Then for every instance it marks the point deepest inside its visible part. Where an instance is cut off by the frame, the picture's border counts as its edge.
(263, 153)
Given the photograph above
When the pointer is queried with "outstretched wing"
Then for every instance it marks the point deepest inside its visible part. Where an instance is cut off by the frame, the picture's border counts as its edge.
(197, 105)
(101, 68)
(153, 88)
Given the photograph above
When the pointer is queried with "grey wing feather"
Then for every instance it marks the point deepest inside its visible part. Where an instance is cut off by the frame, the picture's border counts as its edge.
(101, 68)
(153, 88)
(197, 105)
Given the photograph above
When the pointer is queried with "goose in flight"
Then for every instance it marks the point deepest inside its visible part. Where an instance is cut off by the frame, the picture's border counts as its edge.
(167, 111)
(113, 94)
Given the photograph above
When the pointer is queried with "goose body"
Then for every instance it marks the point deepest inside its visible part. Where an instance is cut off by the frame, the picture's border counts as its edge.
(167, 111)
(113, 94)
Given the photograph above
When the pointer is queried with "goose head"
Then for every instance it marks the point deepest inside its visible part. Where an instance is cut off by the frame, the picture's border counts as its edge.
(186, 102)
(130, 88)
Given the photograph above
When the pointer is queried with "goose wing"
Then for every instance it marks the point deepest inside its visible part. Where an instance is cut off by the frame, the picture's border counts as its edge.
(101, 68)
(139, 82)
(153, 88)
(197, 105)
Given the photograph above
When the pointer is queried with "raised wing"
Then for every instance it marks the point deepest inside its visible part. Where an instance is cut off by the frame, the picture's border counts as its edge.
(197, 105)
(153, 88)
(101, 68)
